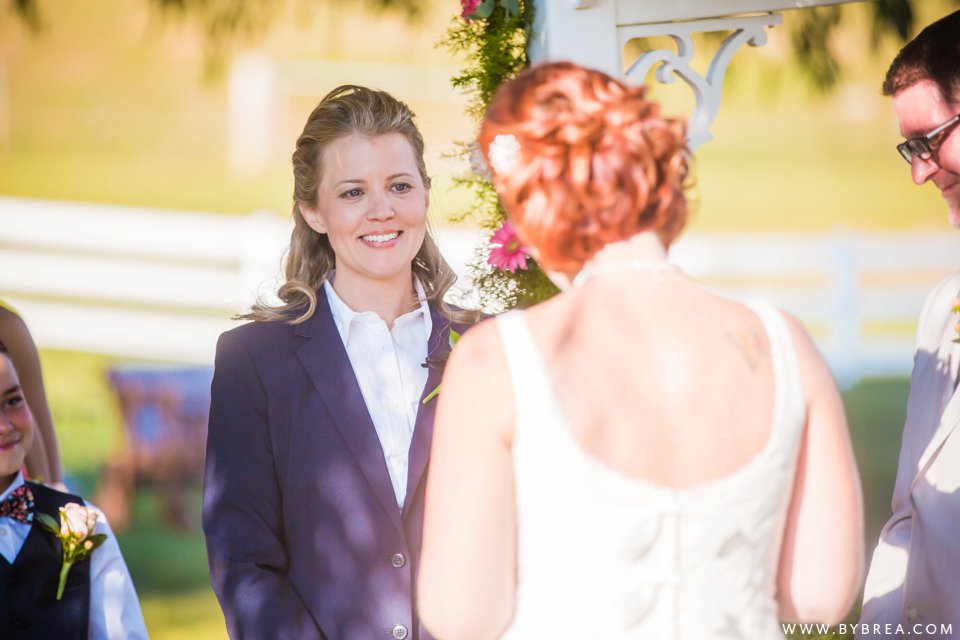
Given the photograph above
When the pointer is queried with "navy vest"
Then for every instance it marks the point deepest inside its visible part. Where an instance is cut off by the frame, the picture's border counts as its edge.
(28, 588)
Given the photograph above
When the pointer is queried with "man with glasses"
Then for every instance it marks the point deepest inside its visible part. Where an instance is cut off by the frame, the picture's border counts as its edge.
(913, 586)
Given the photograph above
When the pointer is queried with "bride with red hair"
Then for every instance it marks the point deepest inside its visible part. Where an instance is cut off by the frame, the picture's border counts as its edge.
(636, 457)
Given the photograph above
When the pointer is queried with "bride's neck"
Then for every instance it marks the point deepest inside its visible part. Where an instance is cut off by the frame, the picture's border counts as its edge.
(642, 246)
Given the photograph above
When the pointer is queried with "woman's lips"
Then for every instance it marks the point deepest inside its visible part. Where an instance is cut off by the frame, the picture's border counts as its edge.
(381, 240)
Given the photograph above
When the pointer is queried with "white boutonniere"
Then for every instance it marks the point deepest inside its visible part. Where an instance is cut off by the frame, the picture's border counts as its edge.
(75, 533)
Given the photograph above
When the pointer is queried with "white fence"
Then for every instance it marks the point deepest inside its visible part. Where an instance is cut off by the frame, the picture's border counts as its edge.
(162, 285)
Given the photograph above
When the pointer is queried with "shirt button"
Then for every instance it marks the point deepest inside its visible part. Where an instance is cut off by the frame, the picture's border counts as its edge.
(3, 531)
(399, 632)
(14, 579)
(398, 560)
(912, 614)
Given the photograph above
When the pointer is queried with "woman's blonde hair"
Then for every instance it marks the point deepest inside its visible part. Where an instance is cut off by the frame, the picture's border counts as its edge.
(348, 109)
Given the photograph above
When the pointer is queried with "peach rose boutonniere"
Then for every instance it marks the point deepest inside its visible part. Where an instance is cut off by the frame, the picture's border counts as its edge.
(75, 533)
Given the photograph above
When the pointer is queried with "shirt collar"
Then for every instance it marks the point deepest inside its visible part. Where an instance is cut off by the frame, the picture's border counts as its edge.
(343, 315)
(16, 484)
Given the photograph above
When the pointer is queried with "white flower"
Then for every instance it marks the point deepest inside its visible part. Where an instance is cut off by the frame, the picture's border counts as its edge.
(77, 521)
(504, 152)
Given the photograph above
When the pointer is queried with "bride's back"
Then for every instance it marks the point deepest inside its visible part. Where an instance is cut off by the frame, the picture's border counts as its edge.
(658, 378)
(636, 457)
(672, 481)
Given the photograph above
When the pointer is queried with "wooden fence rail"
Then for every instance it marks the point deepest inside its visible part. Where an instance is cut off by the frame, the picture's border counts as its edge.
(156, 284)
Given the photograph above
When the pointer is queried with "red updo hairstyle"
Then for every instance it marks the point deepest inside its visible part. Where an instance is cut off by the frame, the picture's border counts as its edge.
(596, 163)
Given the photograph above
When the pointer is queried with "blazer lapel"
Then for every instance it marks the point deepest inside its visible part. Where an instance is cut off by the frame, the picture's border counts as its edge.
(326, 361)
(949, 352)
(438, 349)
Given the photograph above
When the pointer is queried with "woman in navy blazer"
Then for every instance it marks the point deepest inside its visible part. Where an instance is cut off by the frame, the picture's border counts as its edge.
(319, 436)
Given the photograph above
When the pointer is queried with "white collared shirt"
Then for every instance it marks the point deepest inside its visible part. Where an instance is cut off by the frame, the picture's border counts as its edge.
(114, 609)
(388, 364)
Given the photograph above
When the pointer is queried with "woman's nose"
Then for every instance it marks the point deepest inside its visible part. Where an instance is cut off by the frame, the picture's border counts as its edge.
(381, 208)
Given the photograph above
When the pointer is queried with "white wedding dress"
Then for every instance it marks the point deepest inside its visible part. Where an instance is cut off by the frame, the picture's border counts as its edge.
(604, 556)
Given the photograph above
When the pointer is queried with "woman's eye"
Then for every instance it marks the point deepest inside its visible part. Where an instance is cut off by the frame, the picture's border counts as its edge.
(352, 193)
(401, 187)
(13, 402)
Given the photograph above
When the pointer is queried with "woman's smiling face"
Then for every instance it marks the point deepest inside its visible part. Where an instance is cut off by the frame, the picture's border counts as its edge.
(372, 205)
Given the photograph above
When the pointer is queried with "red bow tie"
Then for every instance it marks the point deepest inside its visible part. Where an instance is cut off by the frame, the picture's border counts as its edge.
(18, 505)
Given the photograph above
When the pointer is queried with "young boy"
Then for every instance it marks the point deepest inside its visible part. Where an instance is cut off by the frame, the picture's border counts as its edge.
(99, 601)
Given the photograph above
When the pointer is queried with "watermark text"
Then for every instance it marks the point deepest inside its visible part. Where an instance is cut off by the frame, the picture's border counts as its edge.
(918, 629)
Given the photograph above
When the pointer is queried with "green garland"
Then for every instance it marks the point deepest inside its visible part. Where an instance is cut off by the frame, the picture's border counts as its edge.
(494, 41)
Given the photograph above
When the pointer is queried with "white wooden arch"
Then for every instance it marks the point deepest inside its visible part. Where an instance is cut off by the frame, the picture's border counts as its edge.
(594, 33)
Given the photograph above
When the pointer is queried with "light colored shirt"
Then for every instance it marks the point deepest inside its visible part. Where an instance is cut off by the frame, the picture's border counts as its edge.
(388, 364)
(114, 609)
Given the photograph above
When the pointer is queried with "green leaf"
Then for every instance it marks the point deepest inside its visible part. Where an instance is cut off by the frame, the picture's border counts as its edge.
(512, 7)
(47, 523)
(454, 338)
(484, 9)
(97, 539)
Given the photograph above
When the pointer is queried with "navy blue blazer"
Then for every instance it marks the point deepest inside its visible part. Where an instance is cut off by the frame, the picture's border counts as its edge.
(304, 536)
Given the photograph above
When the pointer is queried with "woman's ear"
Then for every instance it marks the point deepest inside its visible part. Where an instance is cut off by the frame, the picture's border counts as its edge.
(312, 217)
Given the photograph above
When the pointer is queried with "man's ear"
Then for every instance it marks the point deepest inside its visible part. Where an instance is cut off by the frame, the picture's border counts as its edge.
(312, 217)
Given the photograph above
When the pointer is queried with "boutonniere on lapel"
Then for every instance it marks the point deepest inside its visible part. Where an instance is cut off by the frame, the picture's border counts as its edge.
(75, 534)
(439, 362)
(956, 328)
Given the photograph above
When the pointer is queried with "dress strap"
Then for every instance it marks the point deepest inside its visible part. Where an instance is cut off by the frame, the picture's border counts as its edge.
(523, 361)
(531, 385)
(790, 407)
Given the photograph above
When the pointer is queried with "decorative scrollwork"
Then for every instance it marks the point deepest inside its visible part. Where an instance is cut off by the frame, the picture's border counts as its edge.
(707, 89)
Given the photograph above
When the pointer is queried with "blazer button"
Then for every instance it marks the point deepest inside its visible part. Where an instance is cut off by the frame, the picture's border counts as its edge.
(398, 560)
(14, 579)
(399, 632)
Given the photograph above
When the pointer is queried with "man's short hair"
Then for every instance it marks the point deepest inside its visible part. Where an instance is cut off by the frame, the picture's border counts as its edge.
(933, 55)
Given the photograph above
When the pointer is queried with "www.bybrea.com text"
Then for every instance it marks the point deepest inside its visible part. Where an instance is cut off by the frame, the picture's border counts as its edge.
(918, 629)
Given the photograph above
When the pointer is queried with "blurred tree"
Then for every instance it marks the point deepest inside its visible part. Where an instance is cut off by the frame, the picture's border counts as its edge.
(223, 18)
(810, 30)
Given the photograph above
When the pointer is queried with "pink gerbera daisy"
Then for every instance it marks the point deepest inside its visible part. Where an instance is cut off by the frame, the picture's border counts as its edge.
(507, 254)
(469, 7)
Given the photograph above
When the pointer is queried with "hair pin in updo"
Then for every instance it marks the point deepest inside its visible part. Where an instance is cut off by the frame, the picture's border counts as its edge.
(504, 152)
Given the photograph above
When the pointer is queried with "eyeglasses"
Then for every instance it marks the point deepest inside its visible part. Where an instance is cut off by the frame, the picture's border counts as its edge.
(921, 146)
